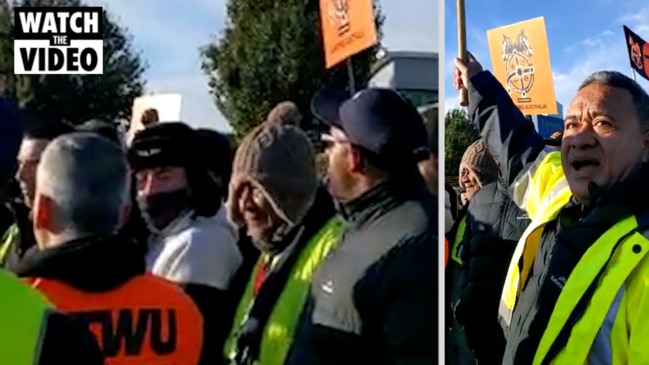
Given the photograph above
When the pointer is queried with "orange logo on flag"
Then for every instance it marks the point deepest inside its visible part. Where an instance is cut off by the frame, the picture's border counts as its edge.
(636, 54)
(521, 62)
(347, 28)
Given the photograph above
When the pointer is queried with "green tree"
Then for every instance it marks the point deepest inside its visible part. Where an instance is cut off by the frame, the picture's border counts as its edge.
(6, 49)
(77, 98)
(270, 51)
(460, 133)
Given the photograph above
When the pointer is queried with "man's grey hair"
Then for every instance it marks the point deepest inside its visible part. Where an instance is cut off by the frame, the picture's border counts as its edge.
(88, 179)
(619, 80)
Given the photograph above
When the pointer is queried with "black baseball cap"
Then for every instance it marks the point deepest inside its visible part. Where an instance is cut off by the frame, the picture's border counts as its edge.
(378, 120)
(555, 139)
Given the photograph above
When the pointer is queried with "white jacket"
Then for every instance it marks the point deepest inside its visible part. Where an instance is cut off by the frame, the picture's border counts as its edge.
(196, 250)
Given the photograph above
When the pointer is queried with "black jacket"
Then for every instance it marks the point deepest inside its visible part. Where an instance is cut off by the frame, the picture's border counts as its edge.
(250, 332)
(514, 143)
(493, 226)
(67, 341)
(374, 300)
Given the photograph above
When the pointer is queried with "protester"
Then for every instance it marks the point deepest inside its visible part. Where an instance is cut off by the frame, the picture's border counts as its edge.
(135, 227)
(374, 300)
(33, 333)
(575, 286)
(149, 118)
(493, 225)
(216, 152)
(217, 158)
(192, 243)
(274, 194)
(37, 134)
(85, 268)
(429, 167)
(477, 169)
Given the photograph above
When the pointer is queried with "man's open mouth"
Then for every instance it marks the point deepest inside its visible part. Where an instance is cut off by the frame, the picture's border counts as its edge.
(580, 164)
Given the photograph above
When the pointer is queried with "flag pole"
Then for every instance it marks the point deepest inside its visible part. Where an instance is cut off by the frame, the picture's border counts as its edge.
(633, 73)
(461, 46)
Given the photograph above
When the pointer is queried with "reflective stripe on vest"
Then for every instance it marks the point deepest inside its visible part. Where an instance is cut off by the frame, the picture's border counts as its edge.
(9, 238)
(601, 352)
(147, 320)
(459, 235)
(23, 312)
(278, 333)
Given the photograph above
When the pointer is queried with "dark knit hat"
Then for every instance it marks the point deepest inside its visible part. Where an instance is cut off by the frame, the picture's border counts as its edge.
(280, 161)
(214, 151)
(164, 144)
(480, 162)
(104, 129)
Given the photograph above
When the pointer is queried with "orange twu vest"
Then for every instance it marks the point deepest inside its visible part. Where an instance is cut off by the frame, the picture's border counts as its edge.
(147, 320)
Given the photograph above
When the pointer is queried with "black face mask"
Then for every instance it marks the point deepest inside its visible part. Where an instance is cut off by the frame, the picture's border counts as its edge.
(158, 210)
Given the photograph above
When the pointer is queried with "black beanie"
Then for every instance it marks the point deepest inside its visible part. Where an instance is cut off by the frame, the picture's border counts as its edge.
(164, 144)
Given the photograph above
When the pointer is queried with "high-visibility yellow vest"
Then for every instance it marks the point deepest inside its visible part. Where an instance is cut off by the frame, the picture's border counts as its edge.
(23, 313)
(613, 328)
(9, 238)
(278, 334)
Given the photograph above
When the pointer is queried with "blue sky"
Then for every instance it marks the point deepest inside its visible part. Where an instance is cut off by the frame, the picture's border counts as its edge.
(169, 33)
(584, 36)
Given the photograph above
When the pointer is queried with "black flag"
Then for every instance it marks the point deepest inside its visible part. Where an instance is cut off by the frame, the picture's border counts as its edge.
(638, 51)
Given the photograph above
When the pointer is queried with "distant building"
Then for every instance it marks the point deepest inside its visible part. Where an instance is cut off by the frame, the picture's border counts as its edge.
(548, 124)
(414, 74)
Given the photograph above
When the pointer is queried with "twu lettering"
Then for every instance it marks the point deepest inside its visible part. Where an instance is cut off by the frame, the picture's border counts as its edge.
(128, 328)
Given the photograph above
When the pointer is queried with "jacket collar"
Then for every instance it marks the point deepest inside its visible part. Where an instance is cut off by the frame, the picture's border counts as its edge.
(97, 263)
(381, 199)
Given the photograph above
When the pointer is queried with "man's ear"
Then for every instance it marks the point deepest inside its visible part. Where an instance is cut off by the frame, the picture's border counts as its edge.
(645, 141)
(355, 160)
(43, 213)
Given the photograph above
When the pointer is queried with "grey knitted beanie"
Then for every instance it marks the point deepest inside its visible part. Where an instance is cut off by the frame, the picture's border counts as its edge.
(478, 159)
(278, 159)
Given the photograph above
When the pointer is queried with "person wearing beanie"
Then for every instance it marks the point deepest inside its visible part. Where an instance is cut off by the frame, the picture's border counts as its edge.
(492, 225)
(38, 132)
(34, 332)
(191, 243)
(477, 169)
(274, 196)
(375, 299)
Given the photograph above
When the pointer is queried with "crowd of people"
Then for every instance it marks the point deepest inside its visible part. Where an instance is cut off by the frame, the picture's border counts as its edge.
(548, 250)
(173, 247)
